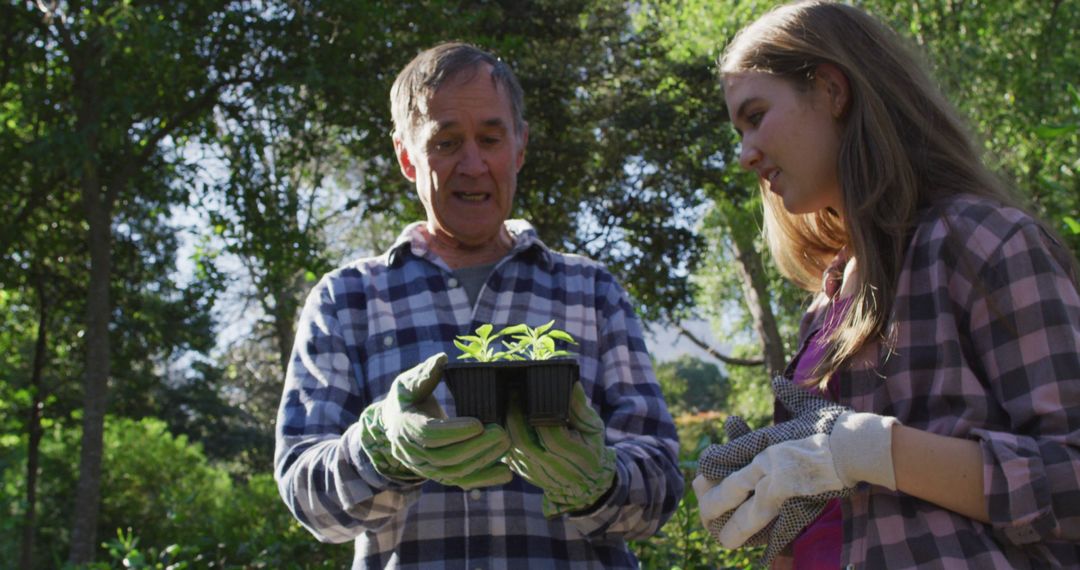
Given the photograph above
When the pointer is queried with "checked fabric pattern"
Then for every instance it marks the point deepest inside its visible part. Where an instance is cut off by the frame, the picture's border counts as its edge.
(811, 414)
(373, 318)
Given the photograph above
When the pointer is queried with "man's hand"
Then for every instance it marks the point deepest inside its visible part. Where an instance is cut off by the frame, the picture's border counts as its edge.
(571, 464)
(408, 437)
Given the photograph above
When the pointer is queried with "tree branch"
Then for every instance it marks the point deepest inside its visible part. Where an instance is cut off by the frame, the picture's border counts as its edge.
(198, 104)
(731, 360)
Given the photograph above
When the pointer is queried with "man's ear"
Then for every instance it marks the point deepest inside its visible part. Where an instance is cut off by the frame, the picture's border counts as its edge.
(523, 141)
(836, 86)
(404, 159)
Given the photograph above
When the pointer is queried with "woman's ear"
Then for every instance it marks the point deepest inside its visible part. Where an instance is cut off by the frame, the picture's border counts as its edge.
(835, 83)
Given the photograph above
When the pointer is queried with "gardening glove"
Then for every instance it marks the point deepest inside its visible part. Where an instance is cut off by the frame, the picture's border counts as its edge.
(408, 437)
(571, 463)
(797, 466)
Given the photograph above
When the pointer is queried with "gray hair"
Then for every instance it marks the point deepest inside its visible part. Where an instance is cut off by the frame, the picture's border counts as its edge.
(429, 70)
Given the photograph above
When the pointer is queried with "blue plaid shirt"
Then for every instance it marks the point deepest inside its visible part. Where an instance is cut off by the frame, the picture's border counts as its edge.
(368, 321)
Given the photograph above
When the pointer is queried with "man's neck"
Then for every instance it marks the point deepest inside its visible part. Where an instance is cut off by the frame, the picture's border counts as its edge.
(458, 255)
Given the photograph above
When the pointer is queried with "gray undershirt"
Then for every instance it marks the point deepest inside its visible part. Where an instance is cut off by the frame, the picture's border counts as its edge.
(473, 279)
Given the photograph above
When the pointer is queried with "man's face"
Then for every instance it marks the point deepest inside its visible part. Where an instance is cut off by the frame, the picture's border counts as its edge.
(464, 156)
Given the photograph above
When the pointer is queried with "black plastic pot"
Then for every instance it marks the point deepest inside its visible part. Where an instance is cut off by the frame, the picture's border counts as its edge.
(483, 390)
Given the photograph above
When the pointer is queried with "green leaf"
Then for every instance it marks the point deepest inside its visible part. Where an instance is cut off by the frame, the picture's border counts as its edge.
(1054, 131)
(515, 329)
(562, 335)
(1074, 225)
(544, 327)
(484, 330)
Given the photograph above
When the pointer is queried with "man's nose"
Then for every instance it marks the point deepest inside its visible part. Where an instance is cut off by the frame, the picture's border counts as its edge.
(472, 160)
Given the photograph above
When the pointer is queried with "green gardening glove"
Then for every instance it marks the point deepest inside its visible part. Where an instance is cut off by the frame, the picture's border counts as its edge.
(408, 437)
(571, 464)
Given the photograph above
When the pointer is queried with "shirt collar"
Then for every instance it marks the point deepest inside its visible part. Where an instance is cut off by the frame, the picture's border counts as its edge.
(411, 240)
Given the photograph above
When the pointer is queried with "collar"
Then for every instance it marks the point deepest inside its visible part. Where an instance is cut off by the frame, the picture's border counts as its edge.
(412, 241)
(833, 276)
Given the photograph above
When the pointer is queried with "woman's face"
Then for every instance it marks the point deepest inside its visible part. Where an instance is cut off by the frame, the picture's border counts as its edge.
(790, 137)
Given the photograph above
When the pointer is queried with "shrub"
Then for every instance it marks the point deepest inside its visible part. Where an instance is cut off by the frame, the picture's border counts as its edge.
(186, 512)
(683, 543)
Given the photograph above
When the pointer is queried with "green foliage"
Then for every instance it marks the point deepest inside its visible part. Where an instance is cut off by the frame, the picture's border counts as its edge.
(272, 117)
(1011, 68)
(690, 384)
(529, 343)
(535, 343)
(683, 542)
(187, 511)
(478, 347)
(124, 550)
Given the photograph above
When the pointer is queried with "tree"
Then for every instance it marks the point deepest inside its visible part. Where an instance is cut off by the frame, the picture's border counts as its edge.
(692, 385)
(1011, 68)
(92, 66)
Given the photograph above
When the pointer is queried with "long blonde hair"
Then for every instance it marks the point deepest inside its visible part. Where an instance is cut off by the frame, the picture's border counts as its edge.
(903, 147)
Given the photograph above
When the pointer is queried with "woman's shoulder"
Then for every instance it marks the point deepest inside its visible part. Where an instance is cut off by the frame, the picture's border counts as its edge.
(978, 224)
(975, 232)
(970, 212)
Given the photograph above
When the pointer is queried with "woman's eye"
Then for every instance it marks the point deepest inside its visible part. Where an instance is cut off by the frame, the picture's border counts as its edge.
(755, 118)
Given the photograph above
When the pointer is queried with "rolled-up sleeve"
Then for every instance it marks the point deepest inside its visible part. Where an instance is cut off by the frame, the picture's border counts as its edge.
(323, 474)
(1025, 326)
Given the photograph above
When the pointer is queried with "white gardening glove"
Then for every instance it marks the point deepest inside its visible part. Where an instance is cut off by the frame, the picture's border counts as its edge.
(792, 473)
(857, 450)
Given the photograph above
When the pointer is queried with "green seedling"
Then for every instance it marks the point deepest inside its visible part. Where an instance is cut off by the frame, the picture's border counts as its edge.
(534, 343)
(479, 346)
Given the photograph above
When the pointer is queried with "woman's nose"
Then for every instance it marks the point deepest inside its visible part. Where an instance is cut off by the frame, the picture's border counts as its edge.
(749, 155)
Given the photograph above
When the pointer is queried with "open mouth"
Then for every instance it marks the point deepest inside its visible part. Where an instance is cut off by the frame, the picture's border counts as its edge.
(472, 196)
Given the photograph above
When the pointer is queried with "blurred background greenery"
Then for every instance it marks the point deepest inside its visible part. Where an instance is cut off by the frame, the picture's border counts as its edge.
(176, 175)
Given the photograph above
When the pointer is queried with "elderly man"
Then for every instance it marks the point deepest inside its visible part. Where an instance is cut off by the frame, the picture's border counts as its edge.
(365, 447)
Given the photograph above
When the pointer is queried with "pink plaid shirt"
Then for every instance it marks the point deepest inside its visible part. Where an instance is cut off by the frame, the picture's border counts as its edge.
(983, 343)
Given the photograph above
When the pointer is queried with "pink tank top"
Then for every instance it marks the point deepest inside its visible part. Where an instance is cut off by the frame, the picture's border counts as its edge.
(818, 546)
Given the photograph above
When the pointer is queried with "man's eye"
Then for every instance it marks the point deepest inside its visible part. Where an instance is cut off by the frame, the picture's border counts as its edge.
(443, 146)
(490, 141)
(755, 118)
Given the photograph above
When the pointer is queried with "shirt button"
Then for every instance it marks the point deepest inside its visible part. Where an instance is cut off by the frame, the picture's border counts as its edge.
(388, 341)
(474, 494)
(452, 283)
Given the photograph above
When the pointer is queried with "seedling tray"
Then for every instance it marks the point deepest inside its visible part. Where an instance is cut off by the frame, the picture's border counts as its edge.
(483, 390)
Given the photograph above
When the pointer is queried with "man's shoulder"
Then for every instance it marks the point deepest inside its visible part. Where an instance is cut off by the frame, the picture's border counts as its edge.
(582, 267)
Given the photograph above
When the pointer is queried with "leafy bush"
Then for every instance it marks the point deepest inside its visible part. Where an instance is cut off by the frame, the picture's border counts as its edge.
(683, 543)
(187, 512)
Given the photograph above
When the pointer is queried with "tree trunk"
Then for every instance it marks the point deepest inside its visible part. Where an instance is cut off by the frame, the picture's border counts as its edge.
(98, 206)
(33, 448)
(284, 315)
(756, 289)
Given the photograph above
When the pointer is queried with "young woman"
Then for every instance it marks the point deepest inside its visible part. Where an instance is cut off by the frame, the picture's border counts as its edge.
(931, 418)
